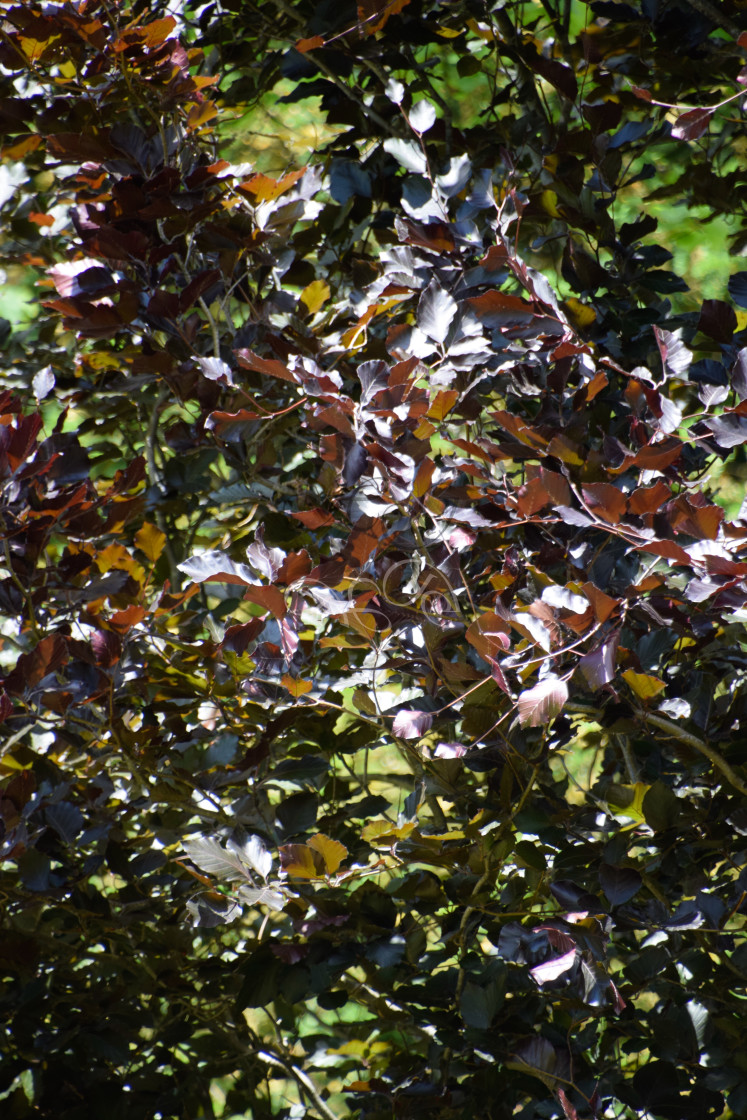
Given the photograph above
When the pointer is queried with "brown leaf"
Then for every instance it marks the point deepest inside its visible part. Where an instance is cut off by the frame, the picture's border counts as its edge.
(268, 597)
(606, 501)
(312, 44)
(604, 605)
(314, 518)
(648, 499)
(270, 367)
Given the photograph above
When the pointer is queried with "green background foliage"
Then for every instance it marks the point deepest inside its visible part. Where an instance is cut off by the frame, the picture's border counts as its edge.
(373, 592)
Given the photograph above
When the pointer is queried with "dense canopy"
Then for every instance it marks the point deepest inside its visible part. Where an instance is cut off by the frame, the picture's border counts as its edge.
(373, 581)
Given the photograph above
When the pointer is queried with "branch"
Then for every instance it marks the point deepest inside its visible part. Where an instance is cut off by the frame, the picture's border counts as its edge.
(303, 1080)
(698, 745)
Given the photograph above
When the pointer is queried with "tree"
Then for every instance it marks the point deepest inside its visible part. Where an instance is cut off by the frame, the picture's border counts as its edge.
(373, 671)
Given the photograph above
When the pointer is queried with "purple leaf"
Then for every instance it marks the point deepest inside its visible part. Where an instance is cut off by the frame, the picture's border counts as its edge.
(216, 369)
(619, 883)
(540, 704)
(551, 970)
(718, 320)
(43, 383)
(412, 725)
(729, 430)
(738, 288)
(675, 356)
(436, 309)
(407, 153)
(267, 561)
(599, 666)
(218, 568)
(573, 516)
(739, 374)
(422, 117)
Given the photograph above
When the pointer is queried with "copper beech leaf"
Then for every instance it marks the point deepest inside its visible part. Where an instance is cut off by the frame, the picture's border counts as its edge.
(151, 540)
(331, 851)
(302, 862)
(232, 863)
(644, 685)
(692, 124)
(411, 724)
(540, 704)
(218, 567)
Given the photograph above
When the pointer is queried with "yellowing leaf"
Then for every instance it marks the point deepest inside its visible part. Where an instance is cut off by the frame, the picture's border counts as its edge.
(361, 621)
(360, 1048)
(331, 851)
(643, 684)
(300, 861)
(565, 450)
(264, 189)
(375, 13)
(386, 833)
(422, 482)
(342, 641)
(580, 316)
(482, 30)
(35, 48)
(314, 296)
(150, 540)
(199, 115)
(442, 403)
(424, 429)
(632, 809)
(549, 201)
(117, 556)
(295, 687)
(22, 147)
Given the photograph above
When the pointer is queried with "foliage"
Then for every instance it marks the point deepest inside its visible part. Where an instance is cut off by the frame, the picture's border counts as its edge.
(374, 671)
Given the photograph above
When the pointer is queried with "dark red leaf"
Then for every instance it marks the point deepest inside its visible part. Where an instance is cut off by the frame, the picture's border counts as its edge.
(107, 648)
(648, 499)
(164, 304)
(49, 654)
(238, 638)
(718, 320)
(6, 706)
(500, 309)
(270, 367)
(692, 124)
(554, 72)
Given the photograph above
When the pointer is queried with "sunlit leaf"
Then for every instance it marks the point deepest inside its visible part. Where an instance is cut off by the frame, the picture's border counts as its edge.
(644, 685)
(541, 703)
(151, 540)
(331, 851)
(232, 863)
